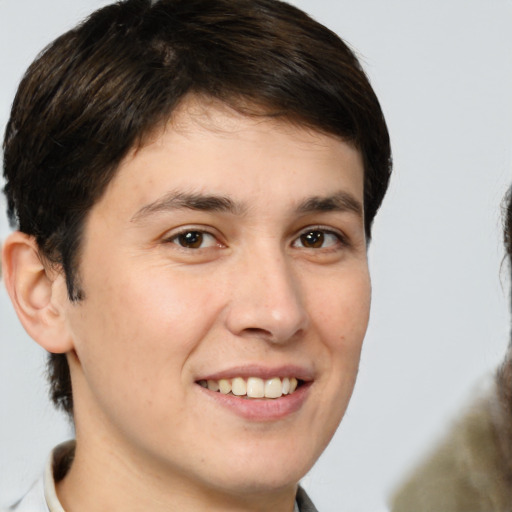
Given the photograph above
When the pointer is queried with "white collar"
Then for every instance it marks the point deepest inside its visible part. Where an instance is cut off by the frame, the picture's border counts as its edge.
(50, 494)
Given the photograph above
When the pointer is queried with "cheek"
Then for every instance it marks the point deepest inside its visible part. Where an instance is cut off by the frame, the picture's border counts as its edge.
(140, 330)
(340, 315)
(342, 311)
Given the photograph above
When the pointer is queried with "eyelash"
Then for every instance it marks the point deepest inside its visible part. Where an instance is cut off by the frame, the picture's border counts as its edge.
(340, 239)
(202, 232)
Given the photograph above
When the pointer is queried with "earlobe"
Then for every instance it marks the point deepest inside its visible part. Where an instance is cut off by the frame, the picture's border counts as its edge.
(38, 294)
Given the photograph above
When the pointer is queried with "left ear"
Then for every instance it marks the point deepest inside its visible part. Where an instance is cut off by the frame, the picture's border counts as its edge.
(37, 292)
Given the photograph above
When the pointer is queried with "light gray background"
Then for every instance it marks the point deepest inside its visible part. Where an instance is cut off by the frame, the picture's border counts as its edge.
(443, 72)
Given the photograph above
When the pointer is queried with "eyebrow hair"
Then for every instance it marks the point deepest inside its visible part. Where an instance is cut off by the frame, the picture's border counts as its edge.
(340, 202)
(190, 201)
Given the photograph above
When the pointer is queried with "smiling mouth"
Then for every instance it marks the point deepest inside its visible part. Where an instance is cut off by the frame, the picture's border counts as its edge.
(253, 387)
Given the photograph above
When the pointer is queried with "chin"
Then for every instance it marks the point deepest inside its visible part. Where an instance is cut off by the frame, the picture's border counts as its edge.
(265, 472)
(260, 484)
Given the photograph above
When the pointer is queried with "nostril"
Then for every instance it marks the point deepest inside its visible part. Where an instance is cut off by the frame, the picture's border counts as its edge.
(257, 332)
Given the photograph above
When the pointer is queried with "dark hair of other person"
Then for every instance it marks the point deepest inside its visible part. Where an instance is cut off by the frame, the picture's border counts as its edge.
(504, 374)
(98, 90)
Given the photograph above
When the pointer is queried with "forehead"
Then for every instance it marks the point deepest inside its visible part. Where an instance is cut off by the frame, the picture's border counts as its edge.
(208, 146)
(235, 119)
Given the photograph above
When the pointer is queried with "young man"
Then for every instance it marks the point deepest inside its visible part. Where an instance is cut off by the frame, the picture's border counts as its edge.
(194, 183)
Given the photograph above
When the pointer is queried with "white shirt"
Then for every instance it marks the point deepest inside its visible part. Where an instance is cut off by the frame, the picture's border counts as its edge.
(42, 496)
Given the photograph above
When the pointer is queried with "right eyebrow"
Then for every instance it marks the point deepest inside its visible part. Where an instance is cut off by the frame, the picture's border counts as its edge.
(338, 202)
(191, 201)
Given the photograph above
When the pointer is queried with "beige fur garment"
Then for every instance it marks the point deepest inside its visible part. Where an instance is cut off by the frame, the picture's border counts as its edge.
(471, 469)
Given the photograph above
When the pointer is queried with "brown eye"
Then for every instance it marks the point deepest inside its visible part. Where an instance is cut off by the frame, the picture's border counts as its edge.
(190, 239)
(312, 239)
(194, 239)
(318, 239)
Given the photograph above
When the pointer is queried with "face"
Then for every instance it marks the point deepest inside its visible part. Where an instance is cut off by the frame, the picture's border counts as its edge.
(226, 300)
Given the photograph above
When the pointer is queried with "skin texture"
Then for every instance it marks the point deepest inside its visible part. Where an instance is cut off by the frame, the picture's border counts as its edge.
(254, 296)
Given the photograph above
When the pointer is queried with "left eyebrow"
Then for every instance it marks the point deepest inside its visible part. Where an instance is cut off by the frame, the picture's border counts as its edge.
(339, 202)
(185, 201)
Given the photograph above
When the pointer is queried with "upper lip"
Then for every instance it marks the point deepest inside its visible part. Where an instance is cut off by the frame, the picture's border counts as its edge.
(263, 372)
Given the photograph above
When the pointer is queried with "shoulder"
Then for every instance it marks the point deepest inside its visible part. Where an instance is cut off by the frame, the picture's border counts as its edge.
(33, 501)
(42, 494)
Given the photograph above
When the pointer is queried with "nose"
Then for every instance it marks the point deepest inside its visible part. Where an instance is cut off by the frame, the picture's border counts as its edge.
(266, 299)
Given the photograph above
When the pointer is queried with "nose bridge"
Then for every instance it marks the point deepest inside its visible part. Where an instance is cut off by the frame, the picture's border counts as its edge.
(268, 297)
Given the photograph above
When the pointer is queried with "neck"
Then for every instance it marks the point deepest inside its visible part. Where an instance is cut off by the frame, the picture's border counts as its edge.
(99, 479)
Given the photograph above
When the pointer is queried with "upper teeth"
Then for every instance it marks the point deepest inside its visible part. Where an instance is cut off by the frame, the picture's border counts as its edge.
(253, 387)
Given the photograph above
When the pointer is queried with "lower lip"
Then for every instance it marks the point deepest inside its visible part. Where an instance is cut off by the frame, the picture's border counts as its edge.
(260, 409)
